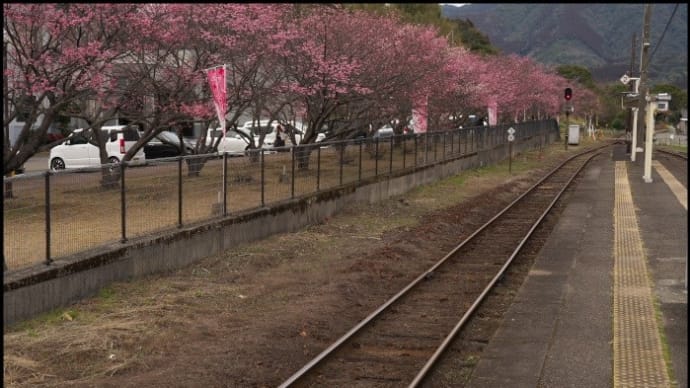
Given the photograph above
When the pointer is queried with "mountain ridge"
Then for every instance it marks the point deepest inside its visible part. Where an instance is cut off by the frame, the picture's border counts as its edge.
(596, 36)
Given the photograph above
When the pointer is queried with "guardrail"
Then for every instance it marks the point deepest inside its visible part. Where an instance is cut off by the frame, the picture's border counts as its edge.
(54, 214)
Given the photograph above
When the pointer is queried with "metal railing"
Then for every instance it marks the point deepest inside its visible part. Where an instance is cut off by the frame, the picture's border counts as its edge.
(671, 140)
(53, 214)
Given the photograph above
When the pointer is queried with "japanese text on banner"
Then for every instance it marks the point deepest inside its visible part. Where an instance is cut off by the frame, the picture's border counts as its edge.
(216, 80)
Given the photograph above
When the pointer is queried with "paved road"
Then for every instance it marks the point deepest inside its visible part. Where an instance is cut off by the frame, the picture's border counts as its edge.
(38, 162)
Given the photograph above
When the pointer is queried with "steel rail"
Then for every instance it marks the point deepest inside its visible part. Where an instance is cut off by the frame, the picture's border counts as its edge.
(439, 351)
(321, 356)
(676, 154)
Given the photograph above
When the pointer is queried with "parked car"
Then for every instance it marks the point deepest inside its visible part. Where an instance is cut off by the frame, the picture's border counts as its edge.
(270, 132)
(384, 132)
(53, 134)
(235, 142)
(80, 149)
(289, 129)
(165, 145)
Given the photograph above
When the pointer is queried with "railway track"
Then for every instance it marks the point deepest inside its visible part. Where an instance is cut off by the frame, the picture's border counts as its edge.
(399, 343)
(670, 153)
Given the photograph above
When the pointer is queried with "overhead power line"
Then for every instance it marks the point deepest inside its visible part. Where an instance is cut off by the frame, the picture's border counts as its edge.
(663, 33)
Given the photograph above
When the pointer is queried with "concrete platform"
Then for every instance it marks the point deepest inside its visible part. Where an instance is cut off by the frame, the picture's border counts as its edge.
(567, 325)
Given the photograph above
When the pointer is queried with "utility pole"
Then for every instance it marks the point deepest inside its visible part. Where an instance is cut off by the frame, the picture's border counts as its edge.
(632, 89)
(644, 63)
(6, 105)
(651, 108)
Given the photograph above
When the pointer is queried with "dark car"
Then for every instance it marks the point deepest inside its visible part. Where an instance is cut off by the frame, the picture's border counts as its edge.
(166, 145)
(53, 134)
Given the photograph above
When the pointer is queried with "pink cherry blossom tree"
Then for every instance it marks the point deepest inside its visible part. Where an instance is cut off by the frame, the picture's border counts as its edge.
(355, 68)
(57, 56)
(177, 43)
(327, 64)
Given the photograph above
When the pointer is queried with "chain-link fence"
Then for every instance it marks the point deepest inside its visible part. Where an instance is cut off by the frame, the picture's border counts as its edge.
(58, 213)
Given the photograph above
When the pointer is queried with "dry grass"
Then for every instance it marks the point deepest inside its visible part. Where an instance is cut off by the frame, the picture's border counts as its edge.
(85, 215)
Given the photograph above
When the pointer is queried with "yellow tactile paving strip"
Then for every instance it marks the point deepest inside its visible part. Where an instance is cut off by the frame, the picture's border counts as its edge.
(637, 355)
(676, 187)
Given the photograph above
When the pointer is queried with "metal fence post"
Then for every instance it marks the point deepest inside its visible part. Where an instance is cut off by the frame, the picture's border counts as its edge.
(480, 140)
(443, 150)
(404, 150)
(459, 141)
(470, 140)
(342, 151)
(292, 181)
(47, 192)
(179, 192)
(426, 148)
(415, 151)
(376, 158)
(123, 201)
(318, 168)
(473, 140)
(359, 177)
(390, 162)
(459, 149)
(452, 134)
(263, 167)
(225, 183)
(435, 146)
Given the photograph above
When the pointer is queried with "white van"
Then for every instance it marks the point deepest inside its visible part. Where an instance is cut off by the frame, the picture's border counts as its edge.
(233, 143)
(80, 149)
(257, 128)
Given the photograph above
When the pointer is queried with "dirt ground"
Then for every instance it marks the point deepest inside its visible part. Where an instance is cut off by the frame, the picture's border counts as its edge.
(254, 315)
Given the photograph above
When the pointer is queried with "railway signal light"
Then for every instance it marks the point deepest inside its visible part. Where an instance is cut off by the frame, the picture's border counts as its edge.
(568, 94)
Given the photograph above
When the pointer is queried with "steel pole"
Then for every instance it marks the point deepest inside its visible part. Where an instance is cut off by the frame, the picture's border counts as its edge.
(567, 127)
(123, 201)
(47, 208)
(633, 150)
(225, 183)
(263, 180)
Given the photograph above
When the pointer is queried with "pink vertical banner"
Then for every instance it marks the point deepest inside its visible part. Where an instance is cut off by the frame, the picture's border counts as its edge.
(493, 112)
(419, 115)
(216, 80)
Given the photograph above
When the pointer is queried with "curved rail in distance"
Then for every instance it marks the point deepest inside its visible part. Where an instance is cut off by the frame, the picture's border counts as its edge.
(676, 154)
